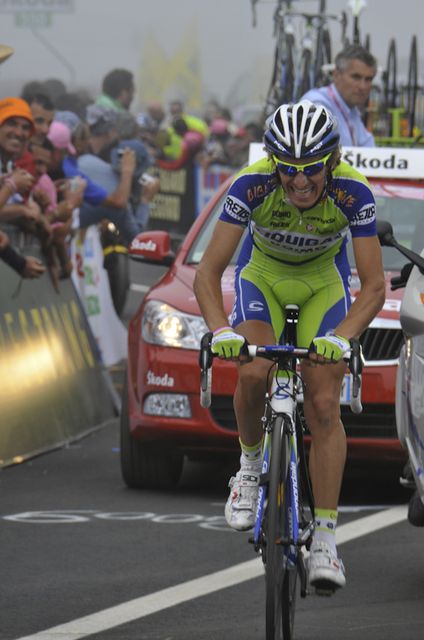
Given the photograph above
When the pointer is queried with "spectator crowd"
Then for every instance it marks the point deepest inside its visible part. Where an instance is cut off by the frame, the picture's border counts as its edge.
(69, 161)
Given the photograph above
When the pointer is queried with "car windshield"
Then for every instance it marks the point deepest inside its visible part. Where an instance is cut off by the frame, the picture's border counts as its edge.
(402, 206)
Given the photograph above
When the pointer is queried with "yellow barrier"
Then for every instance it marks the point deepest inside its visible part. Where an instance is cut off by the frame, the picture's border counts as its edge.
(53, 387)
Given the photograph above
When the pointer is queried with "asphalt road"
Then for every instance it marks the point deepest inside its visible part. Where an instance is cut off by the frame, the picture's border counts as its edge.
(81, 555)
(74, 542)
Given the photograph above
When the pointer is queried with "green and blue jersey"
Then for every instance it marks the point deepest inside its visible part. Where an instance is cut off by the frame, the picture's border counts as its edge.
(279, 230)
(296, 257)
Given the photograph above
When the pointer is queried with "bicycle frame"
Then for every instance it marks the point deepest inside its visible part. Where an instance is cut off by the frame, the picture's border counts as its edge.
(281, 527)
(281, 402)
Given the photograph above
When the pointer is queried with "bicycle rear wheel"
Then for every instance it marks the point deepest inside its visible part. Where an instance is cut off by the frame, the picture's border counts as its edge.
(306, 79)
(322, 64)
(282, 81)
(390, 77)
(280, 574)
(412, 88)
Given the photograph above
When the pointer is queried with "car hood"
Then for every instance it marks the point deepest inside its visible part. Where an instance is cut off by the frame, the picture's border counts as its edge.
(176, 289)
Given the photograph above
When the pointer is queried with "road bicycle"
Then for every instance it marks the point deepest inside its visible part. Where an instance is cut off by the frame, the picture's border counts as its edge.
(315, 55)
(302, 53)
(281, 88)
(390, 88)
(356, 7)
(285, 519)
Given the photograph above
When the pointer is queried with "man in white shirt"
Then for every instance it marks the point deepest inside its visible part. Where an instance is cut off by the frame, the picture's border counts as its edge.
(352, 81)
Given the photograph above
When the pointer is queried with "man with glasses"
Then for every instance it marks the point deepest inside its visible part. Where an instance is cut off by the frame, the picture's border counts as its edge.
(299, 203)
(347, 95)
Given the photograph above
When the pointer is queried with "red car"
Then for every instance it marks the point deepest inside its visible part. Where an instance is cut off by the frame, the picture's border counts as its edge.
(162, 420)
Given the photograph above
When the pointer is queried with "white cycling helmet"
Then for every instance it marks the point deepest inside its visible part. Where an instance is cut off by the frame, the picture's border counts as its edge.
(301, 130)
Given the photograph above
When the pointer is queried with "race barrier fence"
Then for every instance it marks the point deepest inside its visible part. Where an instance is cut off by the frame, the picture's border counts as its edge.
(54, 387)
(56, 344)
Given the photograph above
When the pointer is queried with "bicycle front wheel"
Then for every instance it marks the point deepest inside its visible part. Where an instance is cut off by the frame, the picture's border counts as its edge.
(280, 571)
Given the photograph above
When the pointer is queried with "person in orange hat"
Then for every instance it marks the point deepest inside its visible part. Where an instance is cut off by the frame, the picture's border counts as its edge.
(16, 128)
(18, 180)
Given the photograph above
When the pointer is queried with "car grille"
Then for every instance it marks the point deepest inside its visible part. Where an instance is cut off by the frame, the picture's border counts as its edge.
(222, 411)
(381, 344)
(375, 421)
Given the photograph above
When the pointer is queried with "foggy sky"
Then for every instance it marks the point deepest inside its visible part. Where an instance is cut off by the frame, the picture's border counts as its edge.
(235, 59)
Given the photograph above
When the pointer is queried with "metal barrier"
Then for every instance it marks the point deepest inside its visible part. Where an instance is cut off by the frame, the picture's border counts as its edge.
(53, 386)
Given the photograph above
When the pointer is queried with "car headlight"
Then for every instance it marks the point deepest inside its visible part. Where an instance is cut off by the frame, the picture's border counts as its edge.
(166, 326)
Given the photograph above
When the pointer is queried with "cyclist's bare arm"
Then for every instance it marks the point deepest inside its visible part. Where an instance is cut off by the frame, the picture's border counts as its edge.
(207, 283)
(370, 299)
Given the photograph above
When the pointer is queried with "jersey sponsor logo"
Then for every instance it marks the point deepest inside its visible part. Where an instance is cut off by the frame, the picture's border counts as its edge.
(299, 243)
(364, 216)
(278, 224)
(343, 197)
(280, 214)
(321, 220)
(260, 190)
(256, 305)
(235, 209)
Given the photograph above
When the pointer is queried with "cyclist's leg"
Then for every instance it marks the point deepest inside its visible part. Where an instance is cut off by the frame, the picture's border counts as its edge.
(251, 385)
(255, 313)
(324, 311)
(321, 313)
(328, 447)
(251, 318)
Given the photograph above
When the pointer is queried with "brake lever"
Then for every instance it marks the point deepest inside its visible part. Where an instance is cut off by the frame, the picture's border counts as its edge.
(205, 362)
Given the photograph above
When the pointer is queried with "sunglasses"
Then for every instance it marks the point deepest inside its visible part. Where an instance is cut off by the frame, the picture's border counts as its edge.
(309, 169)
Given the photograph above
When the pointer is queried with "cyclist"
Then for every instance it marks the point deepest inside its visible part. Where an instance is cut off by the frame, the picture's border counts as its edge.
(298, 205)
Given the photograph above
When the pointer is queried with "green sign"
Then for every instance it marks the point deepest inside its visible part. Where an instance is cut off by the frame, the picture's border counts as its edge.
(33, 19)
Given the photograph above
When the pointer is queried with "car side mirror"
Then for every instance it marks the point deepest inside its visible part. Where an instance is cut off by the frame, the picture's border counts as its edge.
(153, 247)
(387, 239)
(385, 233)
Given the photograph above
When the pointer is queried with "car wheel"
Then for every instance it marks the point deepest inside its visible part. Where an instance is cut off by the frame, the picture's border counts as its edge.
(416, 510)
(145, 465)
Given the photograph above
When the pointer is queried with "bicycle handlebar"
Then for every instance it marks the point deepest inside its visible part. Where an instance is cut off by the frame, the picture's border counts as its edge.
(273, 352)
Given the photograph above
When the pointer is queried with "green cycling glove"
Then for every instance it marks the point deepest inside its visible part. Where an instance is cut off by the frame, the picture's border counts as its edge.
(226, 343)
(331, 347)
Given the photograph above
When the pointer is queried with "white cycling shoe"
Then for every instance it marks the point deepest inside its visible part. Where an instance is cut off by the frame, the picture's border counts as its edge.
(325, 570)
(240, 509)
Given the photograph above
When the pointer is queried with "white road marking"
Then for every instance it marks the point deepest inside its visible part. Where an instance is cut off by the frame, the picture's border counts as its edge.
(154, 602)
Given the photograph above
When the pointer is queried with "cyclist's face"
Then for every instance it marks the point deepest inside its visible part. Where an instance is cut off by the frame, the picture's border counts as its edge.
(304, 191)
(354, 83)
